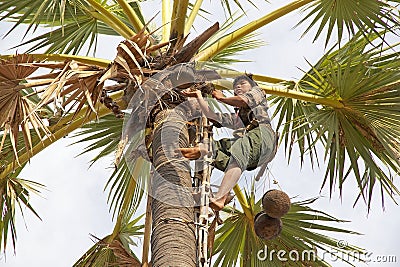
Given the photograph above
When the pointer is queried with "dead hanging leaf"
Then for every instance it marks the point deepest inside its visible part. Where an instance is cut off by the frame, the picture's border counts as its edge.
(211, 236)
(15, 69)
(133, 55)
(17, 114)
(124, 258)
(73, 87)
(117, 255)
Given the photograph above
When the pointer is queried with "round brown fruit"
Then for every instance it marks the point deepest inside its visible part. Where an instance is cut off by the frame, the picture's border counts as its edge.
(276, 203)
(267, 227)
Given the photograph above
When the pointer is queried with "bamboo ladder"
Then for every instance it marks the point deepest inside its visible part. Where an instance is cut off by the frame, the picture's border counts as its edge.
(201, 183)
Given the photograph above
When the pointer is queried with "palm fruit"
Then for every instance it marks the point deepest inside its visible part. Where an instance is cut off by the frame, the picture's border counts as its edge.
(276, 203)
(267, 227)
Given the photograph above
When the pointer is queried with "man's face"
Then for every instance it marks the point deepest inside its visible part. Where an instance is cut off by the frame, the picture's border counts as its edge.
(242, 87)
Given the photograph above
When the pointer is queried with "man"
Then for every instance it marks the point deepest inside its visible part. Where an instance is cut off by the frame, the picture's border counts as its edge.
(254, 148)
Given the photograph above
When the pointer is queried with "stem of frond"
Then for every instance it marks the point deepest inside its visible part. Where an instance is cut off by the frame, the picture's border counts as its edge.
(133, 18)
(112, 20)
(256, 77)
(248, 28)
(279, 90)
(178, 18)
(192, 16)
(243, 202)
(103, 63)
(273, 90)
(166, 20)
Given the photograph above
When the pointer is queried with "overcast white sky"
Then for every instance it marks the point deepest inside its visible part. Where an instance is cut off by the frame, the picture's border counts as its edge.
(74, 204)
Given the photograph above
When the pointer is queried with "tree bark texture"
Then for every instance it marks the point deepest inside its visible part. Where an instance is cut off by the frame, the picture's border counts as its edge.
(173, 241)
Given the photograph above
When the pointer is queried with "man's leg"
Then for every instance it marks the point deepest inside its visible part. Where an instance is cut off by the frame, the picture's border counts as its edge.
(224, 162)
(231, 177)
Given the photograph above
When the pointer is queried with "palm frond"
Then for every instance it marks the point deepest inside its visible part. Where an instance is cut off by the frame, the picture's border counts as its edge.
(17, 114)
(227, 6)
(77, 23)
(301, 235)
(7, 152)
(131, 176)
(362, 136)
(226, 57)
(178, 19)
(293, 124)
(70, 38)
(103, 134)
(48, 12)
(369, 17)
(73, 87)
(293, 114)
(114, 252)
(14, 192)
(132, 12)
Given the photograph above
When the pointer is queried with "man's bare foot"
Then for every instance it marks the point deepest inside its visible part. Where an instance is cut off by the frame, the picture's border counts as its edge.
(193, 152)
(217, 204)
(220, 203)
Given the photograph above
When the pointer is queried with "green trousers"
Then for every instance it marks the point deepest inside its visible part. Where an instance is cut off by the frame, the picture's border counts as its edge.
(249, 152)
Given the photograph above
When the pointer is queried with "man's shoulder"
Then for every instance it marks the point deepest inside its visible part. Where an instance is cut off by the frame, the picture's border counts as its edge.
(257, 89)
(257, 93)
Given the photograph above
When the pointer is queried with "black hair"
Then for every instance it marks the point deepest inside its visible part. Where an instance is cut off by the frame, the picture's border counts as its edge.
(246, 78)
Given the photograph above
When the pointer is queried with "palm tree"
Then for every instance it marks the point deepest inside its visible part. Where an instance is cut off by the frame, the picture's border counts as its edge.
(346, 103)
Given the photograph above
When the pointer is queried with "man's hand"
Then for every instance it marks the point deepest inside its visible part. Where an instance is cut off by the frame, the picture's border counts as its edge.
(217, 94)
(190, 93)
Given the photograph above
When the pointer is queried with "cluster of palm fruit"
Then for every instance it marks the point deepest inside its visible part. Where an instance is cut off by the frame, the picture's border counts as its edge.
(268, 223)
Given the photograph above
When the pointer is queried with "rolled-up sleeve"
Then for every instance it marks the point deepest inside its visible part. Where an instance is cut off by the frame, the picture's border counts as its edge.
(254, 97)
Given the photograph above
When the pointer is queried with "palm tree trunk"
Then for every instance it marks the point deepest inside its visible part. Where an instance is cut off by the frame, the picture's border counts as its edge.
(173, 240)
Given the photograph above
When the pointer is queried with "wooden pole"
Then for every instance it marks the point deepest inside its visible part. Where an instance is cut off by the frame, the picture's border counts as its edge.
(147, 228)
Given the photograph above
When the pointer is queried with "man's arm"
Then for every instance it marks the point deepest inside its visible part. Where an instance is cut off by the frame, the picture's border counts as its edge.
(202, 103)
(235, 101)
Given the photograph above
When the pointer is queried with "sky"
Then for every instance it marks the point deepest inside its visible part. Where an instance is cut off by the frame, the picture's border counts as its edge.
(74, 205)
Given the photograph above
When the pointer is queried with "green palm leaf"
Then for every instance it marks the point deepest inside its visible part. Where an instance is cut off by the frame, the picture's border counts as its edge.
(301, 235)
(50, 12)
(227, 5)
(127, 177)
(366, 16)
(114, 252)
(224, 58)
(74, 36)
(363, 132)
(77, 21)
(14, 192)
(103, 134)
(294, 125)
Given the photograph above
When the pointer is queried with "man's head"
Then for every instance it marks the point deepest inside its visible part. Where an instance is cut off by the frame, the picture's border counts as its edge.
(242, 84)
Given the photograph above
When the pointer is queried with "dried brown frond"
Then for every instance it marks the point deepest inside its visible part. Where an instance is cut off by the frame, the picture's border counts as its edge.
(123, 257)
(15, 69)
(73, 87)
(107, 254)
(362, 125)
(17, 113)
